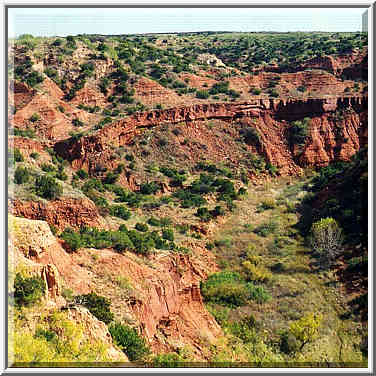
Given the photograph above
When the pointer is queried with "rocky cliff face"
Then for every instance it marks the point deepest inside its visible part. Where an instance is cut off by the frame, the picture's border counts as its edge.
(32, 244)
(55, 115)
(62, 213)
(334, 138)
(273, 117)
(32, 247)
(163, 299)
(353, 66)
(19, 94)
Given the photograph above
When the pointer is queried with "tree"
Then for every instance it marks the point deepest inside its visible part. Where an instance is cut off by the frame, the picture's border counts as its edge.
(127, 338)
(28, 290)
(21, 175)
(98, 305)
(18, 157)
(298, 132)
(326, 240)
(47, 187)
(306, 329)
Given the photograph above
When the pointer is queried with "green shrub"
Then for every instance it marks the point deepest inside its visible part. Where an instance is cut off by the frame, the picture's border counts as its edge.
(266, 228)
(244, 328)
(77, 122)
(149, 188)
(21, 175)
(258, 293)
(67, 294)
(98, 305)
(34, 117)
(138, 242)
(226, 242)
(168, 234)
(230, 289)
(29, 133)
(143, 243)
(256, 273)
(57, 42)
(111, 178)
(288, 343)
(47, 187)
(93, 184)
(72, 238)
(48, 167)
(129, 157)
(104, 84)
(120, 211)
(202, 94)
(28, 290)
(169, 360)
(250, 136)
(34, 155)
(33, 78)
(51, 73)
(121, 241)
(182, 228)
(256, 91)
(204, 214)
(152, 221)
(48, 335)
(273, 170)
(298, 132)
(18, 157)
(189, 199)
(274, 93)
(165, 222)
(143, 227)
(53, 229)
(131, 343)
(209, 246)
(82, 174)
(242, 191)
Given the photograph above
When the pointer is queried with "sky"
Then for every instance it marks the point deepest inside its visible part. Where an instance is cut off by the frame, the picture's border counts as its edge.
(72, 21)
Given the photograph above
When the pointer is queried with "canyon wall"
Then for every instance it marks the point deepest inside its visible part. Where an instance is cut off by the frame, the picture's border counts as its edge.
(163, 299)
(271, 117)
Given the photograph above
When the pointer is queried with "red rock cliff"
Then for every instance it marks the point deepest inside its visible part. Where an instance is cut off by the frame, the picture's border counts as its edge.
(272, 115)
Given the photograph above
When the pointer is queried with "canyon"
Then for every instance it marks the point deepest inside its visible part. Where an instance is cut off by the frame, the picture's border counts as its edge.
(142, 138)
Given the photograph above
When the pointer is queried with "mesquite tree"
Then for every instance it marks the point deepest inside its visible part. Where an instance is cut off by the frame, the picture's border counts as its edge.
(326, 240)
(307, 328)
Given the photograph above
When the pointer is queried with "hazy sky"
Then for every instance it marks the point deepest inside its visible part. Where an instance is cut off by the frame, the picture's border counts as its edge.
(60, 21)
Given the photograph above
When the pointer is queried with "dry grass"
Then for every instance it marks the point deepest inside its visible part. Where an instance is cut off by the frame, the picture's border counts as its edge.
(295, 286)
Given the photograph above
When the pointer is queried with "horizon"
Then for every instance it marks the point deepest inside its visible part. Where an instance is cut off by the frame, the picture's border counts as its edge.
(49, 22)
(193, 32)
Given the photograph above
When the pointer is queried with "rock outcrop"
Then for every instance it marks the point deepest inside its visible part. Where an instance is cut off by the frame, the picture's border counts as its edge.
(61, 213)
(55, 115)
(151, 93)
(164, 302)
(32, 244)
(19, 94)
(271, 115)
(164, 299)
